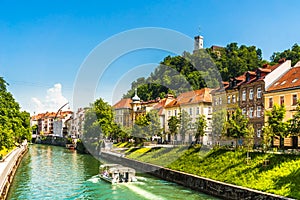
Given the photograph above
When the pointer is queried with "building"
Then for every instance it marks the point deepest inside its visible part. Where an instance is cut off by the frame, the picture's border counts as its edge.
(232, 93)
(285, 91)
(195, 103)
(252, 91)
(123, 112)
(45, 121)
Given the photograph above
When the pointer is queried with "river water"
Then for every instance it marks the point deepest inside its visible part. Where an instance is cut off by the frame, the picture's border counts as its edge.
(50, 172)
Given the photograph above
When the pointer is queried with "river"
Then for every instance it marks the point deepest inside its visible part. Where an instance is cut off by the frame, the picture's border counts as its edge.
(50, 172)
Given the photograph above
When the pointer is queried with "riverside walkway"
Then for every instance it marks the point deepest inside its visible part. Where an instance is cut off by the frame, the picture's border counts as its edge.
(8, 166)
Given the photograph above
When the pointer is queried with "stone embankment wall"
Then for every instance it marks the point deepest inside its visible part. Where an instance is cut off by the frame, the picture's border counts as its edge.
(52, 140)
(8, 168)
(205, 185)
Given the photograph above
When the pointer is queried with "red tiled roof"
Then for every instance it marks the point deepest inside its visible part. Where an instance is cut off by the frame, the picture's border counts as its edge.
(288, 81)
(123, 103)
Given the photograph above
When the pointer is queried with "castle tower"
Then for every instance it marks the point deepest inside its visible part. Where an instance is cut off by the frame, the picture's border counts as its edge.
(198, 43)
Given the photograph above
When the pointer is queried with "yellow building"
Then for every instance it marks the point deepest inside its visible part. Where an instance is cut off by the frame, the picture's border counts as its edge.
(285, 91)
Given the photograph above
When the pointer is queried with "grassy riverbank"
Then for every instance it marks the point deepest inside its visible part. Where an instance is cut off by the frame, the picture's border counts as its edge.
(278, 174)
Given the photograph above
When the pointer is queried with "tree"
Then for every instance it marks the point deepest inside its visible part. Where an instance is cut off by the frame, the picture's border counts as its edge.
(200, 125)
(140, 129)
(14, 124)
(218, 122)
(267, 137)
(292, 54)
(154, 123)
(237, 126)
(185, 124)
(173, 124)
(275, 120)
(98, 124)
(294, 123)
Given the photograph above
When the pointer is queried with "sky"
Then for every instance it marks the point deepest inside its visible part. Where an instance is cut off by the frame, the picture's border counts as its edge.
(44, 44)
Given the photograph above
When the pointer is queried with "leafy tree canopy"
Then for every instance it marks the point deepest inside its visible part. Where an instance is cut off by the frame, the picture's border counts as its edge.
(292, 54)
(14, 124)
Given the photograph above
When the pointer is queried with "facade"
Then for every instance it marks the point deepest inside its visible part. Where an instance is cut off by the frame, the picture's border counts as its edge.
(45, 121)
(285, 91)
(122, 111)
(232, 93)
(252, 92)
(195, 103)
(76, 123)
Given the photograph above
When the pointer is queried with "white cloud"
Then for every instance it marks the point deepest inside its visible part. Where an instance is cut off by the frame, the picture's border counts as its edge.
(53, 101)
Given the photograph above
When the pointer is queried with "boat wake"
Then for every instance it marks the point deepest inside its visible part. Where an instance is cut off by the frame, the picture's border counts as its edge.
(94, 179)
(143, 193)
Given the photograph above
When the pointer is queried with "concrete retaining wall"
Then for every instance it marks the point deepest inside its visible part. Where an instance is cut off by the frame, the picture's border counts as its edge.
(8, 169)
(205, 185)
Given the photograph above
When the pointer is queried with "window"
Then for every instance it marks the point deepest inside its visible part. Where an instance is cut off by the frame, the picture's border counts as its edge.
(198, 110)
(175, 112)
(296, 79)
(270, 102)
(244, 95)
(258, 111)
(191, 111)
(209, 110)
(169, 113)
(294, 99)
(251, 112)
(282, 100)
(216, 101)
(233, 98)
(220, 100)
(244, 110)
(259, 92)
(258, 132)
(228, 99)
(251, 94)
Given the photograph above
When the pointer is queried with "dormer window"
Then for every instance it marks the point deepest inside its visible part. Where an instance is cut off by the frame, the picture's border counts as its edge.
(247, 77)
(258, 74)
(234, 83)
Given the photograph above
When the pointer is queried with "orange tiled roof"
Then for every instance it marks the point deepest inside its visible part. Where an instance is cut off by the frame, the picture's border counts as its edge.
(288, 81)
(192, 97)
(51, 115)
(123, 103)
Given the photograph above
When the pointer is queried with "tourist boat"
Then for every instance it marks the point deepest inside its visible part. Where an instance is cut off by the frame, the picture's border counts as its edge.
(115, 173)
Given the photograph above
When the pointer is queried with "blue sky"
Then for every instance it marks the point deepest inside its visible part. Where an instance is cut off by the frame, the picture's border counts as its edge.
(43, 43)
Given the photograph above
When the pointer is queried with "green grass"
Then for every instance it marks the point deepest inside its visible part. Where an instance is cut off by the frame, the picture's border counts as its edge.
(281, 176)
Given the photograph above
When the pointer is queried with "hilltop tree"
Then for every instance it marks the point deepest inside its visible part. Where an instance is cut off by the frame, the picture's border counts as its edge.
(234, 60)
(292, 54)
